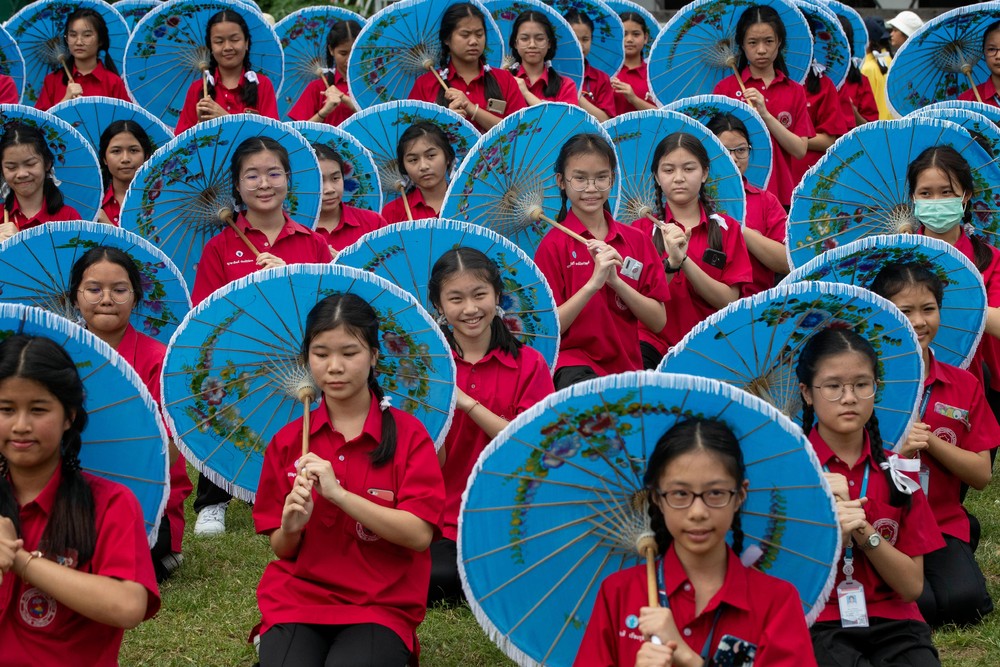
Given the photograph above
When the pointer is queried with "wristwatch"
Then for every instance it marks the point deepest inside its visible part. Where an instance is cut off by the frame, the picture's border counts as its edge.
(871, 542)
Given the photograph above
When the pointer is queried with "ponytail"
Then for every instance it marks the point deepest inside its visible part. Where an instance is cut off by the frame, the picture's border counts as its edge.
(386, 449)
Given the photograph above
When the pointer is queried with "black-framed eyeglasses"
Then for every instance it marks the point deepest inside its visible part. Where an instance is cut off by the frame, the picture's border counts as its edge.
(834, 391)
(681, 499)
(94, 294)
(740, 151)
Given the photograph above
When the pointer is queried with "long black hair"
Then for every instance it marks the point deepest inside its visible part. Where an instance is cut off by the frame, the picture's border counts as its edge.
(462, 259)
(22, 134)
(697, 434)
(692, 145)
(829, 343)
(360, 320)
(751, 17)
(424, 129)
(103, 253)
(103, 40)
(896, 277)
(113, 130)
(449, 22)
(853, 73)
(248, 89)
(340, 33)
(585, 143)
(253, 146)
(72, 525)
(531, 16)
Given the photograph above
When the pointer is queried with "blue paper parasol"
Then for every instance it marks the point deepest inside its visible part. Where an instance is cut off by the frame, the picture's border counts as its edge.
(988, 110)
(11, 61)
(963, 309)
(859, 45)
(979, 125)
(399, 44)
(124, 441)
(361, 182)
(175, 197)
(167, 52)
(35, 267)
(607, 50)
(556, 504)
(568, 60)
(38, 29)
(303, 39)
(75, 165)
(636, 136)
(621, 6)
(133, 10)
(704, 108)
(754, 345)
(92, 115)
(942, 59)
(858, 188)
(405, 253)
(509, 180)
(232, 370)
(697, 47)
(831, 50)
(379, 128)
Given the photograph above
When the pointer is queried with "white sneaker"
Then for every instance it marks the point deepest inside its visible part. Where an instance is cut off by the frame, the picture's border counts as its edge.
(211, 520)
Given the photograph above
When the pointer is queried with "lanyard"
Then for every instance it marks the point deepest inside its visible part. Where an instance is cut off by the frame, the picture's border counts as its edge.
(925, 400)
(665, 603)
(849, 551)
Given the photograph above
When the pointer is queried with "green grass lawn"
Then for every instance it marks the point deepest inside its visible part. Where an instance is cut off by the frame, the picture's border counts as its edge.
(209, 607)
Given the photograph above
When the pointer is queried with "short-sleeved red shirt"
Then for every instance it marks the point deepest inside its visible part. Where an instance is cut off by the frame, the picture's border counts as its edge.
(100, 82)
(567, 89)
(227, 258)
(957, 412)
(827, 117)
(344, 573)
(507, 387)
(637, 78)
(354, 223)
(314, 97)
(686, 307)
(987, 91)
(111, 206)
(229, 99)
(765, 215)
(38, 631)
(23, 222)
(912, 530)
(8, 90)
(426, 88)
(605, 335)
(858, 95)
(597, 89)
(755, 607)
(786, 101)
(395, 211)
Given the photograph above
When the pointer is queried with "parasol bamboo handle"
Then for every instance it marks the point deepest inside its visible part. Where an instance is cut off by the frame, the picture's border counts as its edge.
(322, 75)
(69, 74)
(306, 395)
(226, 215)
(537, 214)
(967, 69)
(406, 203)
(731, 61)
(429, 65)
(650, 553)
(204, 80)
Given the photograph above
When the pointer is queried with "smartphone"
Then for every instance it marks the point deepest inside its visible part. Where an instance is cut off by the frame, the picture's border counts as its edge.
(714, 258)
(496, 106)
(382, 494)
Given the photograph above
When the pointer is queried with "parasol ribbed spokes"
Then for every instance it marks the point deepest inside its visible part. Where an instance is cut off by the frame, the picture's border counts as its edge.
(960, 56)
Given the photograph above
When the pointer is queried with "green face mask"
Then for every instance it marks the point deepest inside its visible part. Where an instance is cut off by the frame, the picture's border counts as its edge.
(939, 215)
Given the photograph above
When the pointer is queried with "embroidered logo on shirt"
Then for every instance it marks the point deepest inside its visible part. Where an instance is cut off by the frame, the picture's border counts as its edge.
(632, 622)
(947, 435)
(38, 609)
(239, 253)
(785, 118)
(366, 535)
(888, 529)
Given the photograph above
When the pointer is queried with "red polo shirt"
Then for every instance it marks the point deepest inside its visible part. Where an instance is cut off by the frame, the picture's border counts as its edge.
(229, 99)
(637, 78)
(597, 89)
(858, 95)
(605, 335)
(765, 215)
(100, 82)
(756, 607)
(786, 101)
(111, 206)
(23, 222)
(912, 530)
(827, 118)
(227, 258)
(354, 223)
(686, 307)
(507, 387)
(8, 90)
(426, 88)
(394, 211)
(567, 89)
(987, 91)
(314, 97)
(344, 574)
(974, 430)
(38, 631)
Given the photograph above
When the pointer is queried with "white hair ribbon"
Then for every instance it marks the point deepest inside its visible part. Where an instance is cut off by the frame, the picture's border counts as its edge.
(385, 403)
(898, 467)
(857, 62)
(817, 68)
(52, 174)
(250, 76)
(719, 219)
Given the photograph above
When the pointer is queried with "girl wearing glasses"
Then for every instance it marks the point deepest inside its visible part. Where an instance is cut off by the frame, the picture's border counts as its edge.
(730, 614)
(886, 531)
(953, 438)
(605, 288)
(704, 257)
(339, 223)
(989, 90)
(533, 46)
(764, 231)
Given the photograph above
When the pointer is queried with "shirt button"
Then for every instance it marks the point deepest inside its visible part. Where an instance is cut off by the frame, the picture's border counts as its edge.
(266, 244)
(341, 457)
(687, 632)
(472, 386)
(687, 587)
(851, 483)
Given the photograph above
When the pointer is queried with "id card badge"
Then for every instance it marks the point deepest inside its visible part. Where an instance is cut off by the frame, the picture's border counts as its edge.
(734, 652)
(631, 268)
(925, 478)
(853, 607)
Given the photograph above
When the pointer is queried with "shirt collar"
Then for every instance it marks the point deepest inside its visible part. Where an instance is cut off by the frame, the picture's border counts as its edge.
(701, 212)
(750, 188)
(573, 223)
(544, 78)
(129, 342)
(372, 427)
(495, 354)
(47, 498)
(932, 372)
(746, 76)
(734, 591)
(825, 454)
(290, 227)
(641, 67)
(100, 72)
(109, 196)
(453, 73)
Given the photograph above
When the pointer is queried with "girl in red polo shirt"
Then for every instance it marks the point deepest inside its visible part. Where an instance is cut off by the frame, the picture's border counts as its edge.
(872, 614)
(477, 91)
(330, 104)
(596, 96)
(498, 378)
(533, 46)
(426, 157)
(351, 521)
(233, 86)
(105, 285)
(823, 100)
(86, 36)
(764, 232)
(953, 440)
(339, 223)
(32, 196)
(760, 38)
(989, 90)
(857, 100)
(697, 481)
(124, 146)
(631, 84)
(603, 288)
(705, 259)
(75, 570)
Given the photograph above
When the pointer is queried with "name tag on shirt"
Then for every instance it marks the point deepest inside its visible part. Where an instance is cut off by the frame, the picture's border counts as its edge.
(631, 268)
(952, 412)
